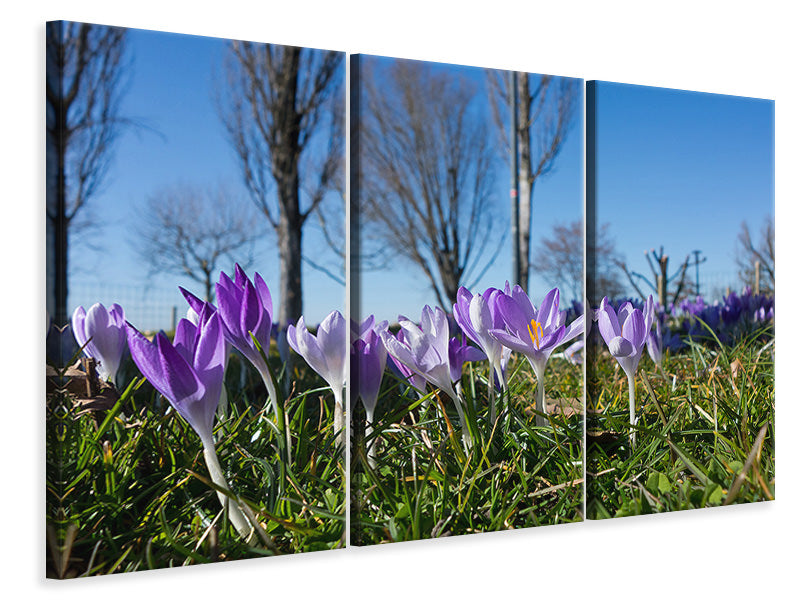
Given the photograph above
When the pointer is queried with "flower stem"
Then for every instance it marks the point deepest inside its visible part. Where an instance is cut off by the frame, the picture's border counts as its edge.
(492, 407)
(541, 420)
(371, 444)
(338, 419)
(280, 415)
(465, 436)
(239, 521)
(632, 406)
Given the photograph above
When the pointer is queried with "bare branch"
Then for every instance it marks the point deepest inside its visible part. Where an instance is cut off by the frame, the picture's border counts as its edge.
(748, 251)
(427, 173)
(559, 260)
(277, 99)
(195, 232)
(546, 108)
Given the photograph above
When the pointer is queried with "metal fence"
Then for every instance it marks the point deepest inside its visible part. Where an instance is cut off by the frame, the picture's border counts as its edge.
(715, 285)
(148, 308)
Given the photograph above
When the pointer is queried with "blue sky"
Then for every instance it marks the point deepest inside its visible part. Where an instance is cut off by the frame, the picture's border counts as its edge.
(678, 169)
(181, 140)
(683, 170)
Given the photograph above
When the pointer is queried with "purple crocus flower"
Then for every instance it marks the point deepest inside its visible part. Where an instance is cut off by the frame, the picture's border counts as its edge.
(326, 353)
(196, 307)
(425, 349)
(655, 344)
(535, 333)
(574, 352)
(101, 333)
(505, 356)
(476, 315)
(625, 334)
(245, 308)
(459, 353)
(414, 379)
(188, 372)
(370, 354)
(368, 357)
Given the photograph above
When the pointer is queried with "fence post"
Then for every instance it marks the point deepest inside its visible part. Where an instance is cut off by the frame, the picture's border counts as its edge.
(758, 277)
(661, 280)
(174, 317)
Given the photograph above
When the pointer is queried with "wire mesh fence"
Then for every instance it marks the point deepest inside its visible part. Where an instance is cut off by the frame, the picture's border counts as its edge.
(148, 308)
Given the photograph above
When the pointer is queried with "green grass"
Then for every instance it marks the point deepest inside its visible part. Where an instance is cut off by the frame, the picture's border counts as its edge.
(128, 489)
(424, 485)
(705, 434)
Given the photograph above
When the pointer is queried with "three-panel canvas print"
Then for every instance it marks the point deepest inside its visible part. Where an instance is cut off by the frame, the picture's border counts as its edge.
(518, 300)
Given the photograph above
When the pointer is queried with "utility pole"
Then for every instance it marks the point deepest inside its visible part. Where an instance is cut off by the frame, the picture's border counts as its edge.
(515, 262)
(697, 262)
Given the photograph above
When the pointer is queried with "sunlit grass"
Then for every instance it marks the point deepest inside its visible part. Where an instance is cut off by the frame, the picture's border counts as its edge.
(128, 489)
(425, 485)
(705, 434)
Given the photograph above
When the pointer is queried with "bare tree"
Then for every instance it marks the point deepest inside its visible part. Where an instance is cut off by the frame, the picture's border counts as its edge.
(559, 260)
(427, 173)
(545, 109)
(331, 178)
(189, 231)
(85, 67)
(275, 103)
(748, 251)
(663, 284)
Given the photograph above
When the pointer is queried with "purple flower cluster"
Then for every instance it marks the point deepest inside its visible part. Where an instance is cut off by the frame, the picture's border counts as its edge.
(497, 322)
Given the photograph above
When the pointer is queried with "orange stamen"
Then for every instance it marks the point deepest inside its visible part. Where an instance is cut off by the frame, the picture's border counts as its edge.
(536, 332)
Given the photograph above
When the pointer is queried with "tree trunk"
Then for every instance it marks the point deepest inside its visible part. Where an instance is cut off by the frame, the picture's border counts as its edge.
(209, 285)
(525, 181)
(57, 208)
(290, 235)
(60, 227)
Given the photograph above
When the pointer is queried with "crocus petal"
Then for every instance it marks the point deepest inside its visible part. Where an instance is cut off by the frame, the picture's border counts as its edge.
(511, 341)
(398, 350)
(184, 339)
(523, 304)
(251, 315)
(574, 329)
(78, 325)
(210, 348)
(306, 346)
(633, 329)
(607, 322)
(210, 358)
(117, 316)
(263, 293)
(625, 311)
(620, 347)
(653, 348)
(514, 315)
(332, 340)
(195, 303)
(551, 340)
(548, 311)
(105, 340)
(170, 375)
(371, 357)
(574, 352)
(229, 308)
(359, 330)
(239, 276)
